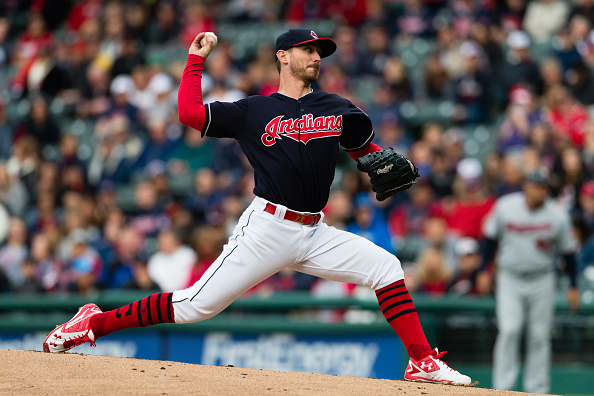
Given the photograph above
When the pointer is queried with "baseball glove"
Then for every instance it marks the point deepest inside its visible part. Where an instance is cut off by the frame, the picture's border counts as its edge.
(389, 172)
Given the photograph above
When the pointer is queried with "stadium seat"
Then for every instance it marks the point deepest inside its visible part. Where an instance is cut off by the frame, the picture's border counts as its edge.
(415, 114)
(57, 108)
(181, 184)
(125, 196)
(365, 88)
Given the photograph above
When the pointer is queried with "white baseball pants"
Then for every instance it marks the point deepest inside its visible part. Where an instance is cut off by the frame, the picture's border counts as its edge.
(520, 302)
(262, 244)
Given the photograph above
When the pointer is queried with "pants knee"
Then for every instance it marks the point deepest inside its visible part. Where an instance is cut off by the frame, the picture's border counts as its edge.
(510, 332)
(390, 271)
(189, 308)
(192, 311)
(539, 337)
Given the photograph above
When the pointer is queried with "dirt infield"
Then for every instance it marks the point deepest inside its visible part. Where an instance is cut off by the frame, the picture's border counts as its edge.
(38, 373)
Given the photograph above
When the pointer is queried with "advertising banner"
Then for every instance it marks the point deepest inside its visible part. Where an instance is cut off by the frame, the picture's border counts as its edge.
(360, 356)
(368, 356)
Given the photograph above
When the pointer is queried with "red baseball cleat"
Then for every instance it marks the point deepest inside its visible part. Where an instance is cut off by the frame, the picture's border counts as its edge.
(75, 332)
(432, 369)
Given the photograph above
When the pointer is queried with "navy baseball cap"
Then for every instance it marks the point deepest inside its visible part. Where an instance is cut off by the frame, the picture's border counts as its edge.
(538, 176)
(295, 37)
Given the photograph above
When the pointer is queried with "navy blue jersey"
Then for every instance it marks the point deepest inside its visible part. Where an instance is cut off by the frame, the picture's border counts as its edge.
(292, 144)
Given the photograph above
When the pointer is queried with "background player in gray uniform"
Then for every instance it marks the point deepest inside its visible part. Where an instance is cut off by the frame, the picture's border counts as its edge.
(531, 231)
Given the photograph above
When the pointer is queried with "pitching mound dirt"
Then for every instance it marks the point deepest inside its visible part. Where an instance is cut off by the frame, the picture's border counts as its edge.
(38, 373)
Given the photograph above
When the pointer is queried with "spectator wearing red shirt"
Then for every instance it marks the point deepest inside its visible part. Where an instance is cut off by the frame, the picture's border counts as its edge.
(27, 48)
(31, 41)
(82, 12)
(566, 115)
(466, 211)
(353, 12)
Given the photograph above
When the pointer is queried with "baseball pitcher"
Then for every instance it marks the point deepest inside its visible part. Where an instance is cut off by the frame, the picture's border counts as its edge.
(291, 138)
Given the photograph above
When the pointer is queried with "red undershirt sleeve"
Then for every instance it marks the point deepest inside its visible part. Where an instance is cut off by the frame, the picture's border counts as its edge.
(189, 97)
(370, 148)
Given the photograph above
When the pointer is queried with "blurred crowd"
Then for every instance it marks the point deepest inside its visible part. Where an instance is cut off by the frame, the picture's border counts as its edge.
(101, 186)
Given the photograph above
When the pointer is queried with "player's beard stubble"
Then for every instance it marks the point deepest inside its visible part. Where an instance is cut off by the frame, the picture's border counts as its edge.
(308, 74)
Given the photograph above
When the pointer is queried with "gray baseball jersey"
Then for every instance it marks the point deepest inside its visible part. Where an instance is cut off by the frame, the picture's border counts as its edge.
(529, 239)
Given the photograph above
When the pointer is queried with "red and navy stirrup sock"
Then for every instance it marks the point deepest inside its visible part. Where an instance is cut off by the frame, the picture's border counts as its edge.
(151, 310)
(400, 312)
(394, 300)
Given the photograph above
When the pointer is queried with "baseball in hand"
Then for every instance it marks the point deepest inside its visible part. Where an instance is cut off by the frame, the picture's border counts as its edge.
(213, 39)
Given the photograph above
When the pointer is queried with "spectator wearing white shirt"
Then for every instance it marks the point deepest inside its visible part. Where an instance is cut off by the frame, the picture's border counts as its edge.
(544, 18)
(170, 267)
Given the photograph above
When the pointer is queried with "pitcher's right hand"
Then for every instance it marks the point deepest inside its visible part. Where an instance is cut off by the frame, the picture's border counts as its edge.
(197, 49)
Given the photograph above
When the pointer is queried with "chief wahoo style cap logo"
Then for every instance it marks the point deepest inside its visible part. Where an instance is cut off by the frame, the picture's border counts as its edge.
(295, 37)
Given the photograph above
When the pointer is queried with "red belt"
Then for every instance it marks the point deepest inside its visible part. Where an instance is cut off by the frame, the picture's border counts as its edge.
(303, 218)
